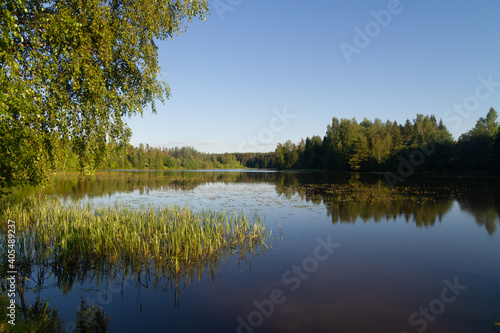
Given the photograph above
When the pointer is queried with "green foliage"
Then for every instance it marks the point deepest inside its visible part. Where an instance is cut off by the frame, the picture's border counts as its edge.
(146, 157)
(150, 158)
(360, 153)
(257, 160)
(477, 146)
(378, 146)
(71, 70)
(286, 155)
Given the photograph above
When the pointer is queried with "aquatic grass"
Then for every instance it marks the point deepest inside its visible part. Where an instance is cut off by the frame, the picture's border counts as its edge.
(172, 237)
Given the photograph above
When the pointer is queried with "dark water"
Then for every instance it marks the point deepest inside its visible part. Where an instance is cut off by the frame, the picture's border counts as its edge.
(348, 255)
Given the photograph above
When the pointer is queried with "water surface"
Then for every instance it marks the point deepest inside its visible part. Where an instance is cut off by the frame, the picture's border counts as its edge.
(348, 254)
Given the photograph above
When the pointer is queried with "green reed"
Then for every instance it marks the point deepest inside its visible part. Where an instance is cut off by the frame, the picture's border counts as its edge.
(171, 237)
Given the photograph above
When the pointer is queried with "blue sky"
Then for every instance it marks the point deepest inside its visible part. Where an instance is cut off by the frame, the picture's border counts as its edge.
(260, 72)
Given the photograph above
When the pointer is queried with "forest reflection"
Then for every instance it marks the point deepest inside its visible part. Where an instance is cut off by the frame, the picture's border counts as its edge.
(348, 197)
(423, 201)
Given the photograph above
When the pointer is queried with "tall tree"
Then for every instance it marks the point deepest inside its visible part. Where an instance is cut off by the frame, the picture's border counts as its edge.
(491, 122)
(380, 141)
(360, 153)
(408, 132)
(442, 134)
(71, 70)
(316, 149)
(419, 126)
(332, 145)
(397, 137)
(286, 155)
(477, 145)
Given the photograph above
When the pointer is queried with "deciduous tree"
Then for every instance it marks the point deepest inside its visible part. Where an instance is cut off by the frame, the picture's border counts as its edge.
(71, 70)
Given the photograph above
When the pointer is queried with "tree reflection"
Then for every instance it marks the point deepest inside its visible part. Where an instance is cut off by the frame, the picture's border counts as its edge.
(421, 199)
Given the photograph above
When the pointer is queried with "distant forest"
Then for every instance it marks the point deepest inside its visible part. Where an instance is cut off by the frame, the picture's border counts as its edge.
(145, 157)
(423, 143)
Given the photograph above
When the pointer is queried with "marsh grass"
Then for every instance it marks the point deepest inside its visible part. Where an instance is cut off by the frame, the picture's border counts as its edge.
(172, 240)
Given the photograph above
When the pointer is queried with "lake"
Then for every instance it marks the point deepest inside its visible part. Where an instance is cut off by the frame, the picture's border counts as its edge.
(347, 254)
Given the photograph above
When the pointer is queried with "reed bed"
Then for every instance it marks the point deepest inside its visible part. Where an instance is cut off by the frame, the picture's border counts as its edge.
(171, 237)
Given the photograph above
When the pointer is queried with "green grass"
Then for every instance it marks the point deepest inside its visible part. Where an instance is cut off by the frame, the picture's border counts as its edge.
(169, 237)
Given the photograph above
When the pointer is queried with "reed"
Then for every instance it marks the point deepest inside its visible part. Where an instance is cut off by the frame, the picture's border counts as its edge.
(173, 237)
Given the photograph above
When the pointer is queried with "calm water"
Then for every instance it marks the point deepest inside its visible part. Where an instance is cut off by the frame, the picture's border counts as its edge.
(347, 255)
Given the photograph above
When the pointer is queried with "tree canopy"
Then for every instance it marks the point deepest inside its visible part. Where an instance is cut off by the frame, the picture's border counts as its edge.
(380, 146)
(71, 71)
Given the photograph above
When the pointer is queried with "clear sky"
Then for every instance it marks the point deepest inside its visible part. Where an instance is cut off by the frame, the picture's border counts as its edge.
(260, 72)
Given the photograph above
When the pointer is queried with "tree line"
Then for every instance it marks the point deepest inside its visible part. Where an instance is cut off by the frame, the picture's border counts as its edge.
(346, 146)
(145, 157)
(382, 146)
